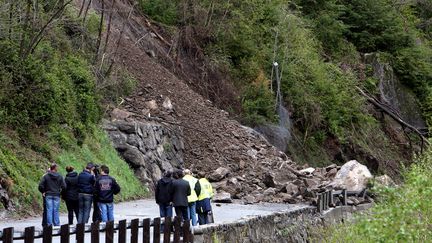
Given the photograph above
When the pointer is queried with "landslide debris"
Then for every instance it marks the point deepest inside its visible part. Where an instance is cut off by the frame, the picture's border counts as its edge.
(238, 160)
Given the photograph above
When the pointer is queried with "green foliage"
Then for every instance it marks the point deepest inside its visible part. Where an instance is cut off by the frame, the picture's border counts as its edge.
(259, 104)
(164, 11)
(99, 150)
(24, 165)
(323, 96)
(403, 215)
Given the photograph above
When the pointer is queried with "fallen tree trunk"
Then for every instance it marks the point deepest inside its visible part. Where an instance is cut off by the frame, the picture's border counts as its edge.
(395, 117)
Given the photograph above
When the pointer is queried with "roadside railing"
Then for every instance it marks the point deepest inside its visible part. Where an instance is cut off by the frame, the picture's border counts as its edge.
(333, 198)
(174, 230)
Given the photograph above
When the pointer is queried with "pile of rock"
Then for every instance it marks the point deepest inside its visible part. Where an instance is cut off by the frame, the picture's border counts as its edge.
(290, 185)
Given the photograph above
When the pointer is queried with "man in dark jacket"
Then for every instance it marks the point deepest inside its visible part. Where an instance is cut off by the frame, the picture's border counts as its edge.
(86, 182)
(181, 190)
(164, 195)
(70, 195)
(106, 188)
(51, 186)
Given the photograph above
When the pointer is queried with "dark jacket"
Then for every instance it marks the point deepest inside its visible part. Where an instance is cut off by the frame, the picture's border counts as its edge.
(86, 182)
(164, 191)
(52, 184)
(106, 187)
(181, 190)
(71, 192)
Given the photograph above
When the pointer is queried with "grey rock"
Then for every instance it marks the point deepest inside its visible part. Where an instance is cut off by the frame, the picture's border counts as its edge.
(222, 197)
(118, 138)
(291, 189)
(249, 199)
(269, 192)
(119, 114)
(134, 157)
(352, 176)
(385, 181)
(219, 174)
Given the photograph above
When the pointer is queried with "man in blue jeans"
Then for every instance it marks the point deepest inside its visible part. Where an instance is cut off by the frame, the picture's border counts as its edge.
(106, 188)
(86, 183)
(51, 186)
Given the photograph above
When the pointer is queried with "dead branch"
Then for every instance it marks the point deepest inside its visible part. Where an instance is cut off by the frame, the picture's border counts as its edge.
(394, 116)
(98, 41)
(38, 37)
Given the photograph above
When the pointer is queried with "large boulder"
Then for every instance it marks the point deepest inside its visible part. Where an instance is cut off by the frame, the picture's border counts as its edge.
(352, 176)
(219, 174)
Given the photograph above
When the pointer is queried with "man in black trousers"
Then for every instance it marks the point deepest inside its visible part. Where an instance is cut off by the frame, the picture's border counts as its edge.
(181, 190)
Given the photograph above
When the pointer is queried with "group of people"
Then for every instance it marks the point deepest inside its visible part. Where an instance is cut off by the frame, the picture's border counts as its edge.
(92, 186)
(188, 195)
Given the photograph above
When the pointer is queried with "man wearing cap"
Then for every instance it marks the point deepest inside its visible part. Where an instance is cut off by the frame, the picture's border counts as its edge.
(86, 183)
(192, 198)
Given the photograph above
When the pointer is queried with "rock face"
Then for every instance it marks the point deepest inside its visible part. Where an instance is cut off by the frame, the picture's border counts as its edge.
(352, 176)
(150, 148)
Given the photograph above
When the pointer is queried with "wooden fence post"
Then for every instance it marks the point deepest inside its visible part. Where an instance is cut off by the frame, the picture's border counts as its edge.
(95, 232)
(64, 233)
(109, 232)
(29, 233)
(187, 237)
(156, 230)
(80, 228)
(177, 229)
(134, 230)
(8, 234)
(167, 230)
(146, 231)
(47, 234)
(122, 231)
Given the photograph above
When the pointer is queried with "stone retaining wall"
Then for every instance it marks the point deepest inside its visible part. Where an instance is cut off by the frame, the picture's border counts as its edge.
(150, 148)
(290, 226)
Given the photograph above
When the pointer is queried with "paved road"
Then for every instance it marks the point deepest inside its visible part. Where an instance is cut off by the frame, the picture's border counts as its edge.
(147, 208)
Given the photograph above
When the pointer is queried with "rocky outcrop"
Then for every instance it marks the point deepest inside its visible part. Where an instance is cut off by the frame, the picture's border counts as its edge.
(150, 148)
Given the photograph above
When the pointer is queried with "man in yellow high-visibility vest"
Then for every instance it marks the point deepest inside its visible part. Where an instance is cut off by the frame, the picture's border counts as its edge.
(193, 197)
(203, 207)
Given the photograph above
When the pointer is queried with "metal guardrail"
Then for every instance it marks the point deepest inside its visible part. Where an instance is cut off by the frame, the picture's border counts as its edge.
(327, 199)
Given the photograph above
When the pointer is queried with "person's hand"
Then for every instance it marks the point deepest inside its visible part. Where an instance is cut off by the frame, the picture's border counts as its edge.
(43, 194)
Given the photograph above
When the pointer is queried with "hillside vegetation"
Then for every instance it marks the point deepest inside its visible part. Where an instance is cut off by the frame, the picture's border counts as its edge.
(51, 98)
(58, 79)
(319, 45)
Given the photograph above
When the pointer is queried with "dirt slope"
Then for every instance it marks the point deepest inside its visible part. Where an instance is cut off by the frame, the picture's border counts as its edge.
(212, 139)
